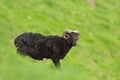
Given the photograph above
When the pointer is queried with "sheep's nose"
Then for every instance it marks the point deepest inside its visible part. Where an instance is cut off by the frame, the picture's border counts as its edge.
(74, 44)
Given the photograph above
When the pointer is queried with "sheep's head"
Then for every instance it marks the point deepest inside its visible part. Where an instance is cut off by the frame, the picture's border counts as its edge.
(71, 36)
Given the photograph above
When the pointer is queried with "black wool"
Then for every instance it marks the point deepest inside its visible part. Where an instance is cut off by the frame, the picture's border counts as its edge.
(39, 47)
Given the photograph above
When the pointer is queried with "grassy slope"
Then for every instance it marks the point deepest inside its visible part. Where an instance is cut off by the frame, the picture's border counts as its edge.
(96, 56)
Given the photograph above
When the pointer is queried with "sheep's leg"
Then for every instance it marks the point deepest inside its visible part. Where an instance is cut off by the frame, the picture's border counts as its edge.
(56, 61)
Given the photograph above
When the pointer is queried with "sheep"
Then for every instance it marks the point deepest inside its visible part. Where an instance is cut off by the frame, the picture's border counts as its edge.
(38, 46)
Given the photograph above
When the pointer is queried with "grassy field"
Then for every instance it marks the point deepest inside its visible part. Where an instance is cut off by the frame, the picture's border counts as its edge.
(97, 55)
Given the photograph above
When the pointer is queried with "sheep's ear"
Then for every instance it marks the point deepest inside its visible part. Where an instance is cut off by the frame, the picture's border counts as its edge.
(65, 35)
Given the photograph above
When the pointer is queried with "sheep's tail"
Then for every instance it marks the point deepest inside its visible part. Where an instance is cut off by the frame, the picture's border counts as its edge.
(22, 49)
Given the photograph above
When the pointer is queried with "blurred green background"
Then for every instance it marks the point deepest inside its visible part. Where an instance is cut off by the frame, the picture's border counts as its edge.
(97, 55)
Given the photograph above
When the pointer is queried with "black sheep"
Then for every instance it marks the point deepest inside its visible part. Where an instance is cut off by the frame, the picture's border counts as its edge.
(39, 47)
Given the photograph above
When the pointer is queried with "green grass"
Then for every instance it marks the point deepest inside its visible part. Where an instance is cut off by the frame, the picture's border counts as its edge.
(97, 55)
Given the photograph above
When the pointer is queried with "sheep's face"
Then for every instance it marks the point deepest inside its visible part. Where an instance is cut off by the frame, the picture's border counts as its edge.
(71, 36)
